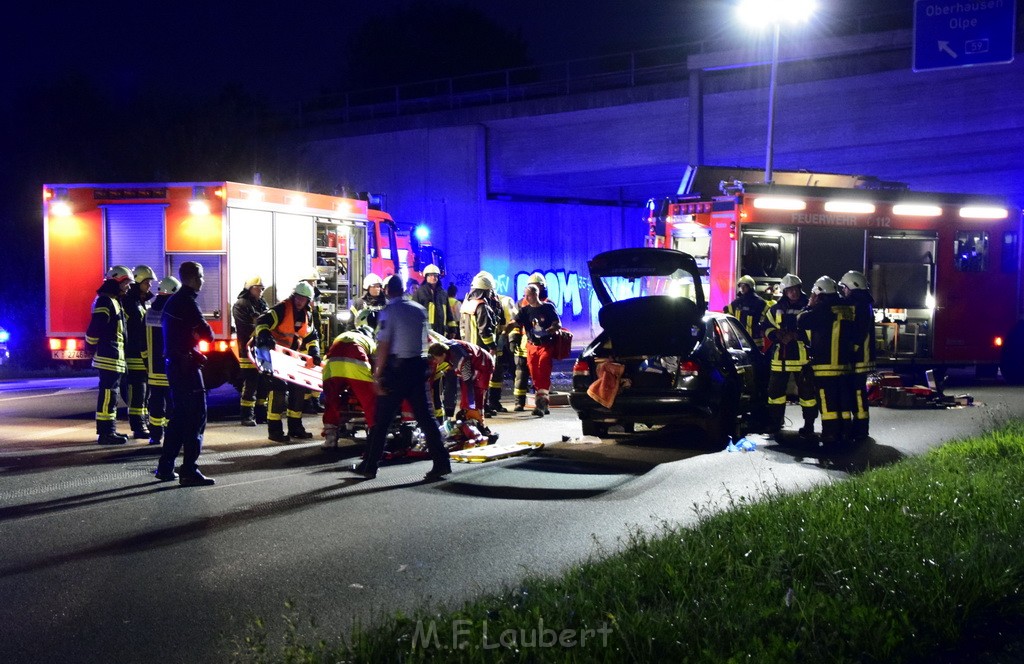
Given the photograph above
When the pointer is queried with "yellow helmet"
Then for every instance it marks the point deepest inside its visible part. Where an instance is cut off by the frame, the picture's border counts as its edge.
(537, 278)
(143, 272)
(746, 279)
(255, 281)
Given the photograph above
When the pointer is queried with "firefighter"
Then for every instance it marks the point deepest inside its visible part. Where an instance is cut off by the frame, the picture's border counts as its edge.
(830, 322)
(348, 363)
(749, 308)
(788, 356)
(370, 305)
(483, 319)
(455, 305)
(249, 306)
(854, 288)
(473, 366)
(159, 389)
(517, 342)
(539, 321)
(104, 338)
(136, 303)
(434, 299)
(289, 323)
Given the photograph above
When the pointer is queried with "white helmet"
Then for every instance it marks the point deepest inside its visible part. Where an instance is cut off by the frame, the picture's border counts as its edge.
(303, 289)
(312, 275)
(824, 284)
(482, 281)
(119, 273)
(746, 279)
(372, 280)
(789, 281)
(143, 272)
(169, 285)
(432, 269)
(537, 278)
(854, 280)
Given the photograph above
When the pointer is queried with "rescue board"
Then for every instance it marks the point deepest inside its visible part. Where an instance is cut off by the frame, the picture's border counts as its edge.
(288, 365)
(487, 453)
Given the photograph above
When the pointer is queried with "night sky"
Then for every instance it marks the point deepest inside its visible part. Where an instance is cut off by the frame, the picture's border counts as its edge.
(278, 54)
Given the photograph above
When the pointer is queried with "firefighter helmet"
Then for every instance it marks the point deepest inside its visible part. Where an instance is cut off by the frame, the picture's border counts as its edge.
(303, 289)
(746, 279)
(255, 281)
(537, 278)
(143, 272)
(312, 275)
(372, 280)
(482, 281)
(365, 330)
(432, 269)
(789, 281)
(119, 273)
(169, 285)
(854, 280)
(824, 284)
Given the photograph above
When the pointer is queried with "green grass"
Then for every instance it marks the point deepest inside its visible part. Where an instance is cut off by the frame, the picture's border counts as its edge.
(895, 565)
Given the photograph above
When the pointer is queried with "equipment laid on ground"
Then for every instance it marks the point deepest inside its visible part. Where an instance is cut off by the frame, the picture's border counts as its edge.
(494, 452)
(886, 390)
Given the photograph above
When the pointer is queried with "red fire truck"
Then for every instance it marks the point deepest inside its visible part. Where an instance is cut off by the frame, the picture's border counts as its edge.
(944, 269)
(400, 248)
(236, 231)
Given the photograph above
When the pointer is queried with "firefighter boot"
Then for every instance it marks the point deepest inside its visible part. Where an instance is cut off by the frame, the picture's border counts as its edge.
(296, 430)
(247, 416)
(112, 438)
(261, 413)
(520, 403)
(275, 431)
(139, 429)
(156, 434)
(806, 432)
(494, 402)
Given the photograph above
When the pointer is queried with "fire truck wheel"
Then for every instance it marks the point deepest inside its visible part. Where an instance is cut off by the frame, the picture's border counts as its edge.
(1012, 362)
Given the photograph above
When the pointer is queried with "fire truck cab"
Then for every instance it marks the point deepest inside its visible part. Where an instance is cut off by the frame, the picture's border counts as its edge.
(398, 247)
(944, 269)
(235, 231)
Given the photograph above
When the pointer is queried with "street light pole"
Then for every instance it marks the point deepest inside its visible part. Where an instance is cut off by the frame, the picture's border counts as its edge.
(770, 150)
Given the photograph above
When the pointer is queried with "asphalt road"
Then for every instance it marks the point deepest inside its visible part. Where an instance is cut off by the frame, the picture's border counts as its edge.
(100, 563)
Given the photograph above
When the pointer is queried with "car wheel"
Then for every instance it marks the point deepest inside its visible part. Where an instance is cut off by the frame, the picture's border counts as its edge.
(592, 428)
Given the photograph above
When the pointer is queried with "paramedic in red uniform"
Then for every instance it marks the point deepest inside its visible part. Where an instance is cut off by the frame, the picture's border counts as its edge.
(472, 366)
(539, 321)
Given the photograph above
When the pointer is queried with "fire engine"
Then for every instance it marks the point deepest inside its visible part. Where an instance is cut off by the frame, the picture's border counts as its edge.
(399, 247)
(944, 269)
(235, 231)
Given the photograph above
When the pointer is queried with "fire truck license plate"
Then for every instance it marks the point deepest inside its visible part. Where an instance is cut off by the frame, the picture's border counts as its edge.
(70, 354)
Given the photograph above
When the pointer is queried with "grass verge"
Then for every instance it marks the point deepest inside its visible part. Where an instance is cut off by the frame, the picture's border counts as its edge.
(898, 564)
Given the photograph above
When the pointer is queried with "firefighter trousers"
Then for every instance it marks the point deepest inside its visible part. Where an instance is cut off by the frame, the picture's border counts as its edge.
(858, 396)
(159, 408)
(285, 400)
(254, 388)
(833, 404)
(521, 387)
(106, 401)
(778, 387)
(138, 395)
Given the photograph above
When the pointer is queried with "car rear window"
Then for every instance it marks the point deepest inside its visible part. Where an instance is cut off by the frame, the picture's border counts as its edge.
(678, 284)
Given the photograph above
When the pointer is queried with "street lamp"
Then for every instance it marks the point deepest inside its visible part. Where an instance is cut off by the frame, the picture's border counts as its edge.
(759, 13)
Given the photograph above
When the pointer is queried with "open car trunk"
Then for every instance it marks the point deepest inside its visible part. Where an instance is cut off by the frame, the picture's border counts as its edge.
(652, 301)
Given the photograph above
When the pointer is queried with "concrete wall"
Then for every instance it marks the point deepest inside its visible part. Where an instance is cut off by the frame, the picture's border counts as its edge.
(546, 192)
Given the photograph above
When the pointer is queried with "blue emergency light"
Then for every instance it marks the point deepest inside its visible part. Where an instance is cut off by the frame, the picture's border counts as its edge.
(422, 233)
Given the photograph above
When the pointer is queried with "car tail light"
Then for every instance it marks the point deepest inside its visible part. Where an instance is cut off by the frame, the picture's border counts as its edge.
(580, 368)
(688, 368)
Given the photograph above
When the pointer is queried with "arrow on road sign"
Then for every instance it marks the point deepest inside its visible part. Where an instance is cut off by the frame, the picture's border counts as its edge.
(944, 47)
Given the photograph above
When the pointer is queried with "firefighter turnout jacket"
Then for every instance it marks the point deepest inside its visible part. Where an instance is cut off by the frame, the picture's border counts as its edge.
(830, 323)
(245, 311)
(788, 343)
(439, 314)
(155, 365)
(135, 307)
(290, 328)
(864, 317)
(107, 329)
(749, 310)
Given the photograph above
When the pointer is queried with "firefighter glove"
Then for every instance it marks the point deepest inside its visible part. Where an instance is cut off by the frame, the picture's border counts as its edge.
(265, 340)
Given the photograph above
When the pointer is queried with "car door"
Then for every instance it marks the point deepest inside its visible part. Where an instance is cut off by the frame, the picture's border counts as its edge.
(742, 354)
